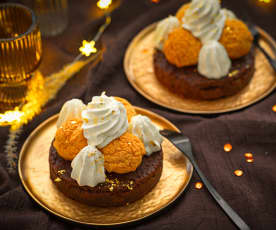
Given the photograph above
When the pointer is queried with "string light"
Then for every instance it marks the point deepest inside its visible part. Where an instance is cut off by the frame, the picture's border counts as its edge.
(88, 47)
(265, 1)
(104, 4)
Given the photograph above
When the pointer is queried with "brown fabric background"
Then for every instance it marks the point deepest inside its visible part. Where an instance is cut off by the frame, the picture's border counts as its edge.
(249, 130)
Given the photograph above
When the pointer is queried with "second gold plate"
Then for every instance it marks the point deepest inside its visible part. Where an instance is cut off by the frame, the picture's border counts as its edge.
(138, 65)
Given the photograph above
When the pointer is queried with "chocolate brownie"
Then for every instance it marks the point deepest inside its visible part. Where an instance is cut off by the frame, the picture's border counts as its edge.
(118, 190)
(188, 82)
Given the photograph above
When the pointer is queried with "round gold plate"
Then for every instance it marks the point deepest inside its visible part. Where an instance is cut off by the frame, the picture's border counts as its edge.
(33, 167)
(138, 65)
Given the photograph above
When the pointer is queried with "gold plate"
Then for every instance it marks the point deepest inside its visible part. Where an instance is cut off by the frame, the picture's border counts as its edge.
(33, 167)
(138, 65)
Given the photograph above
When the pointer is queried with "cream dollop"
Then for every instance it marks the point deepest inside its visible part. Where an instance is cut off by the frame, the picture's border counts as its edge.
(204, 19)
(88, 167)
(228, 14)
(104, 120)
(142, 127)
(70, 110)
(163, 29)
(213, 61)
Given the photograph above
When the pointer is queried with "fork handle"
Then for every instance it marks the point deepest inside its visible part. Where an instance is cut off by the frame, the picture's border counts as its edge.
(223, 204)
(269, 58)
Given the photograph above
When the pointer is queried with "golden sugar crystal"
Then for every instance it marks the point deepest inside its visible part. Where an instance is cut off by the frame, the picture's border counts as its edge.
(198, 185)
(227, 147)
(238, 172)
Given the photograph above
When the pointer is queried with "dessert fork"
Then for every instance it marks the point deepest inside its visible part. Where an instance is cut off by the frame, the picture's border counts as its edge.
(184, 145)
(256, 38)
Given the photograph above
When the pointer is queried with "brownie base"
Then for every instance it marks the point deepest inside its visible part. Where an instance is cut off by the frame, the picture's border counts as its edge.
(118, 190)
(189, 83)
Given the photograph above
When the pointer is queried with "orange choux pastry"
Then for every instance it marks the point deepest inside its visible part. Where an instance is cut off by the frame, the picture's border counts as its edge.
(182, 48)
(123, 154)
(181, 11)
(129, 108)
(236, 38)
(69, 140)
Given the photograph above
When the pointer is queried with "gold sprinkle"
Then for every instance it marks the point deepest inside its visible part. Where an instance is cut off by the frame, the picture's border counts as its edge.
(250, 160)
(111, 188)
(248, 155)
(233, 73)
(57, 179)
(274, 108)
(198, 185)
(129, 187)
(62, 171)
(131, 182)
(227, 147)
(228, 28)
(238, 172)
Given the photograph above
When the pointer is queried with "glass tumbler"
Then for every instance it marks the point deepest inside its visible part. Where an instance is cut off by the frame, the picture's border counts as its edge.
(52, 16)
(20, 52)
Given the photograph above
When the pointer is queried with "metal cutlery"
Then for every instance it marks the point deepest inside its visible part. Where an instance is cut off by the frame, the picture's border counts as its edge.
(184, 145)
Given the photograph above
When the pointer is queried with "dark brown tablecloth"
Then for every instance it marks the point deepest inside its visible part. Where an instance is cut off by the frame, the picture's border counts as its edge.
(252, 129)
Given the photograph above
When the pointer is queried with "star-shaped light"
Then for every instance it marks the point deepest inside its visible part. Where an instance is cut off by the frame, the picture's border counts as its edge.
(104, 4)
(88, 48)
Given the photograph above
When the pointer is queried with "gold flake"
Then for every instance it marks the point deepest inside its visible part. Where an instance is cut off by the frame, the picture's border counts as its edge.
(57, 179)
(62, 171)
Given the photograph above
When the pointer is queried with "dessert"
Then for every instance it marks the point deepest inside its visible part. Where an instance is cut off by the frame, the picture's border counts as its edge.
(103, 153)
(206, 55)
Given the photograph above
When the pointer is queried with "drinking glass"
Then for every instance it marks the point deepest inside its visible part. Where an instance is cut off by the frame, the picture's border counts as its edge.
(20, 52)
(52, 15)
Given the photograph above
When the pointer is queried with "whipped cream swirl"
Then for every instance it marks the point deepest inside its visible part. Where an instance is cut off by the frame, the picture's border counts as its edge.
(70, 110)
(228, 14)
(213, 61)
(88, 167)
(163, 29)
(204, 19)
(104, 120)
(147, 132)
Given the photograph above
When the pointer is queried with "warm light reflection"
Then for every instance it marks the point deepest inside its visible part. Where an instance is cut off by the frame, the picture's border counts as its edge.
(155, 1)
(274, 108)
(104, 4)
(10, 116)
(227, 147)
(248, 155)
(250, 160)
(238, 172)
(198, 185)
(88, 48)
